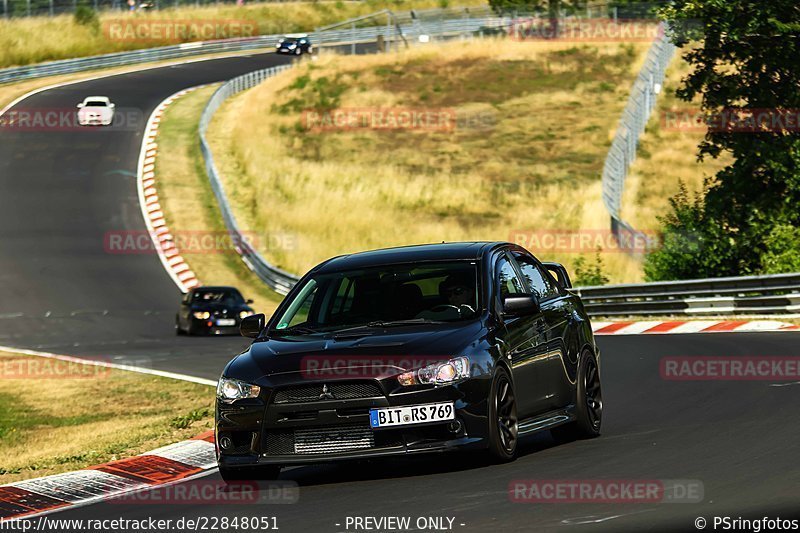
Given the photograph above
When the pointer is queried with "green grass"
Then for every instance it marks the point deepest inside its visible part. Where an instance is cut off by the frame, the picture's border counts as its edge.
(52, 422)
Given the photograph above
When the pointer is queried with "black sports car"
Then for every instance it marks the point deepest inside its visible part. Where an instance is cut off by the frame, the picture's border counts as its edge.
(212, 311)
(296, 44)
(410, 350)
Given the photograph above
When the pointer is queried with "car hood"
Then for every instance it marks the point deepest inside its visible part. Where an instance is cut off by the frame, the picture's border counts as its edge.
(378, 354)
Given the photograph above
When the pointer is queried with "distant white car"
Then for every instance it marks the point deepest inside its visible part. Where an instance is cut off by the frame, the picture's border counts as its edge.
(96, 111)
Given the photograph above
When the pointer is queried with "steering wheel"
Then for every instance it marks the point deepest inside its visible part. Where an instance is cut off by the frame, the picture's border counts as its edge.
(445, 307)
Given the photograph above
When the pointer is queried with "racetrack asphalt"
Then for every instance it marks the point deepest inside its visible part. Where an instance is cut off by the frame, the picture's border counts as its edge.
(62, 191)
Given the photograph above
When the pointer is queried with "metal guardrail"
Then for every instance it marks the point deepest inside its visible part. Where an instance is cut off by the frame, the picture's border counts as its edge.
(69, 66)
(631, 126)
(277, 279)
(770, 294)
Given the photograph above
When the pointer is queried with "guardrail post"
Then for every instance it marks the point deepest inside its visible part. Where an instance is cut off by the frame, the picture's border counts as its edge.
(352, 38)
(29, 8)
(5, 8)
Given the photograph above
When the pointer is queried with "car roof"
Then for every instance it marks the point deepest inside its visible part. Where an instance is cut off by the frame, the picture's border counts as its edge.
(103, 98)
(296, 35)
(446, 251)
(215, 288)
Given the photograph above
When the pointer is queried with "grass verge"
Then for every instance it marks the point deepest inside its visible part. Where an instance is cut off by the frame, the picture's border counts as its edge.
(190, 206)
(534, 123)
(59, 417)
(24, 41)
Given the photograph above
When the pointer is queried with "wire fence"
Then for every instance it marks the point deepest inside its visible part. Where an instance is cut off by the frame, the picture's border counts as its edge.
(631, 126)
(38, 8)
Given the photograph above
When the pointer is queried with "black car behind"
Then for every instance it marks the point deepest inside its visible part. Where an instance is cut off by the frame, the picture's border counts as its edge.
(212, 311)
(410, 350)
(297, 44)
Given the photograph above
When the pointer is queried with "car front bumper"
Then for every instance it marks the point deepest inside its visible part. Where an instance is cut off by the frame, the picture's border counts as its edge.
(262, 432)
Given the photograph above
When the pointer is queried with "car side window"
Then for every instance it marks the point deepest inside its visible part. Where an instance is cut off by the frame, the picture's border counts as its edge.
(507, 279)
(537, 279)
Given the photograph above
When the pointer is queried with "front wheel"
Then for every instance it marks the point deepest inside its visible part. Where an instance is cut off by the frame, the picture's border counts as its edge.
(588, 404)
(255, 473)
(503, 429)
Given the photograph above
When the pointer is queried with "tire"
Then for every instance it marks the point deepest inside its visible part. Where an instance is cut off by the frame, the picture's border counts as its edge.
(588, 404)
(297, 51)
(503, 428)
(256, 473)
(178, 331)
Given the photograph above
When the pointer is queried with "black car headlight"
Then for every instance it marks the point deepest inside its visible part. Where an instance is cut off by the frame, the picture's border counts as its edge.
(229, 390)
(201, 315)
(448, 372)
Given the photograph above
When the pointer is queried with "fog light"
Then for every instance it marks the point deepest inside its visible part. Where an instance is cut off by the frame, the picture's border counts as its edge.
(226, 443)
(455, 426)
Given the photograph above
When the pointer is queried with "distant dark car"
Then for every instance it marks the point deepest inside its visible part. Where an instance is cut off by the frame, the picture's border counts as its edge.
(410, 350)
(212, 311)
(297, 44)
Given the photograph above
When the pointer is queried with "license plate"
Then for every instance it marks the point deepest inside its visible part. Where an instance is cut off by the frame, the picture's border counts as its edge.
(226, 321)
(411, 414)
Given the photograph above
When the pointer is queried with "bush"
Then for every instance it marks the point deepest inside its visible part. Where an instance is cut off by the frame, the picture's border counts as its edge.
(86, 16)
(783, 250)
(587, 275)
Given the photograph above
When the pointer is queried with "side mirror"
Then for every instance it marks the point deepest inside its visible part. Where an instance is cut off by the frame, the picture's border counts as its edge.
(249, 301)
(560, 274)
(80, 105)
(520, 305)
(252, 325)
(111, 106)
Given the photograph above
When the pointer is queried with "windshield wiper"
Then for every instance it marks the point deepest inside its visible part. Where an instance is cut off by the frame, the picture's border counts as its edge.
(376, 324)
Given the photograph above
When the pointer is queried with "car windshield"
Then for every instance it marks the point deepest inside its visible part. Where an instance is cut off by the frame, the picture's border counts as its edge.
(218, 296)
(384, 296)
(96, 103)
(290, 40)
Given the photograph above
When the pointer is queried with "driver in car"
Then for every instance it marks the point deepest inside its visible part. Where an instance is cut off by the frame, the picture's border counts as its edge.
(458, 290)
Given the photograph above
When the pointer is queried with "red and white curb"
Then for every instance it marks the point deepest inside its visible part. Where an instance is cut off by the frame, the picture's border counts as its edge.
(170, 464)
(652, 327)
(168, 253)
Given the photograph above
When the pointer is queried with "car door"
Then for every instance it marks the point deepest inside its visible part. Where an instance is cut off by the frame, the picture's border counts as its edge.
(552, 383)
(522, 338)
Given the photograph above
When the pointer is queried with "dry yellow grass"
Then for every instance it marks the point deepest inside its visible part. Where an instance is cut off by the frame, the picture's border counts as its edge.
(58, 417)
(190, 206)
(666, 157)
(31, 40)
(554, 108)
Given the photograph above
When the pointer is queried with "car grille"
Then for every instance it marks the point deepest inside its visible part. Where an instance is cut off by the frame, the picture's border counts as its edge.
(327, 391)
(329, 439)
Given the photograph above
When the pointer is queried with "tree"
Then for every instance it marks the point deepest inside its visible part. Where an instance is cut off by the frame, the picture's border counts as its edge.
(745, 56)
